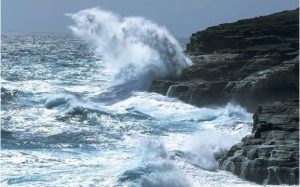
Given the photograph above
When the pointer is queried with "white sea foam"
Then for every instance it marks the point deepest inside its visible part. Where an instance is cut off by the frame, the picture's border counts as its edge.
(135, 49)
(88, 135)
(205, 147)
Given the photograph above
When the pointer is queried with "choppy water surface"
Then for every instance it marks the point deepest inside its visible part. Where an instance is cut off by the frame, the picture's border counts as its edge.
(65, 122)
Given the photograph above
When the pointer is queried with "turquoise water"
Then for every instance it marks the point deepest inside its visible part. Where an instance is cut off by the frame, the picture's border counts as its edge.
(66, 123)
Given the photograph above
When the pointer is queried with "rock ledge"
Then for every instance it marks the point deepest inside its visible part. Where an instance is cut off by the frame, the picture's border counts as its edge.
(270, 155)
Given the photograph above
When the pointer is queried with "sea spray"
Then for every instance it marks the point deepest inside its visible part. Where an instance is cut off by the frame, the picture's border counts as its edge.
(204, 148)
(155, 169)
(99, 139)
(136, 50)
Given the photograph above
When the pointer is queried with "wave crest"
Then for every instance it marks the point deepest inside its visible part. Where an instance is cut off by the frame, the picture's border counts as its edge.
(133, 48)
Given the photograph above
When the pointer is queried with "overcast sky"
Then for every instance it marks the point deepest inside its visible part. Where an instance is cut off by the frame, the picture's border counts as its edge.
(181, 17)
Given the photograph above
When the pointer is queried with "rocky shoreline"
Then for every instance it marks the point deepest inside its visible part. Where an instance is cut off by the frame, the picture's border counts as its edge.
(270, 155)
(255, 63)
(250, 62)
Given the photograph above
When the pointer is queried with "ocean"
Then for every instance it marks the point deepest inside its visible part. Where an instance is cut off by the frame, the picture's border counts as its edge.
(76, 110)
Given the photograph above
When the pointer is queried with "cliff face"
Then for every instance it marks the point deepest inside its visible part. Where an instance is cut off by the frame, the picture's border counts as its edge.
(251, 61)
(270, 155)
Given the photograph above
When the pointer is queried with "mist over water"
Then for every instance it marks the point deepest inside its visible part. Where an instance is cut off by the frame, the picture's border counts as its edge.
(84, 116)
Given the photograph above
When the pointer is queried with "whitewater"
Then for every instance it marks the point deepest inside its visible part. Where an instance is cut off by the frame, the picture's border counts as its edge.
(76, 110)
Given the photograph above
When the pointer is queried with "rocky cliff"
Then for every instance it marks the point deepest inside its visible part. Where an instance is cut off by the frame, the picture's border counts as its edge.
(251, 62)
(270, 155)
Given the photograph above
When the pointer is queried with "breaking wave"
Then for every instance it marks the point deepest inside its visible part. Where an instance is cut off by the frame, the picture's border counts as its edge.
(136, 50)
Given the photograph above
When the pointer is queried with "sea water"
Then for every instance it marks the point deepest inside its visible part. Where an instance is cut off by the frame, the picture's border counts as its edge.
(76, 111)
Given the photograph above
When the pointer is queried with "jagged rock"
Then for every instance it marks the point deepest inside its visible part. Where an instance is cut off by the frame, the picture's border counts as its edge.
(258, 35)
(251, 61)
(270, 155)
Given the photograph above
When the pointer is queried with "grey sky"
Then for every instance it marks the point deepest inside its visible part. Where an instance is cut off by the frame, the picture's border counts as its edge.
(181, 17)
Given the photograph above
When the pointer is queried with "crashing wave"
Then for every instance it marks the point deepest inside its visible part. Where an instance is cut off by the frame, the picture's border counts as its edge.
(135, 49)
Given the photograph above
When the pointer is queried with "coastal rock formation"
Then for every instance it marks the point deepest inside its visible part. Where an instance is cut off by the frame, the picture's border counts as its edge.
(270, 155)
(251, 61)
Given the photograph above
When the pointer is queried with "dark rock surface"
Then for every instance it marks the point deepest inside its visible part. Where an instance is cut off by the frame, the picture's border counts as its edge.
(270, 155)
(251, 61)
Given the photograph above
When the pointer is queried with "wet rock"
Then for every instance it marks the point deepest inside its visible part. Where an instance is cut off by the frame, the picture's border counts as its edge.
(252, 61)
(270, 155)
(161, 86)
